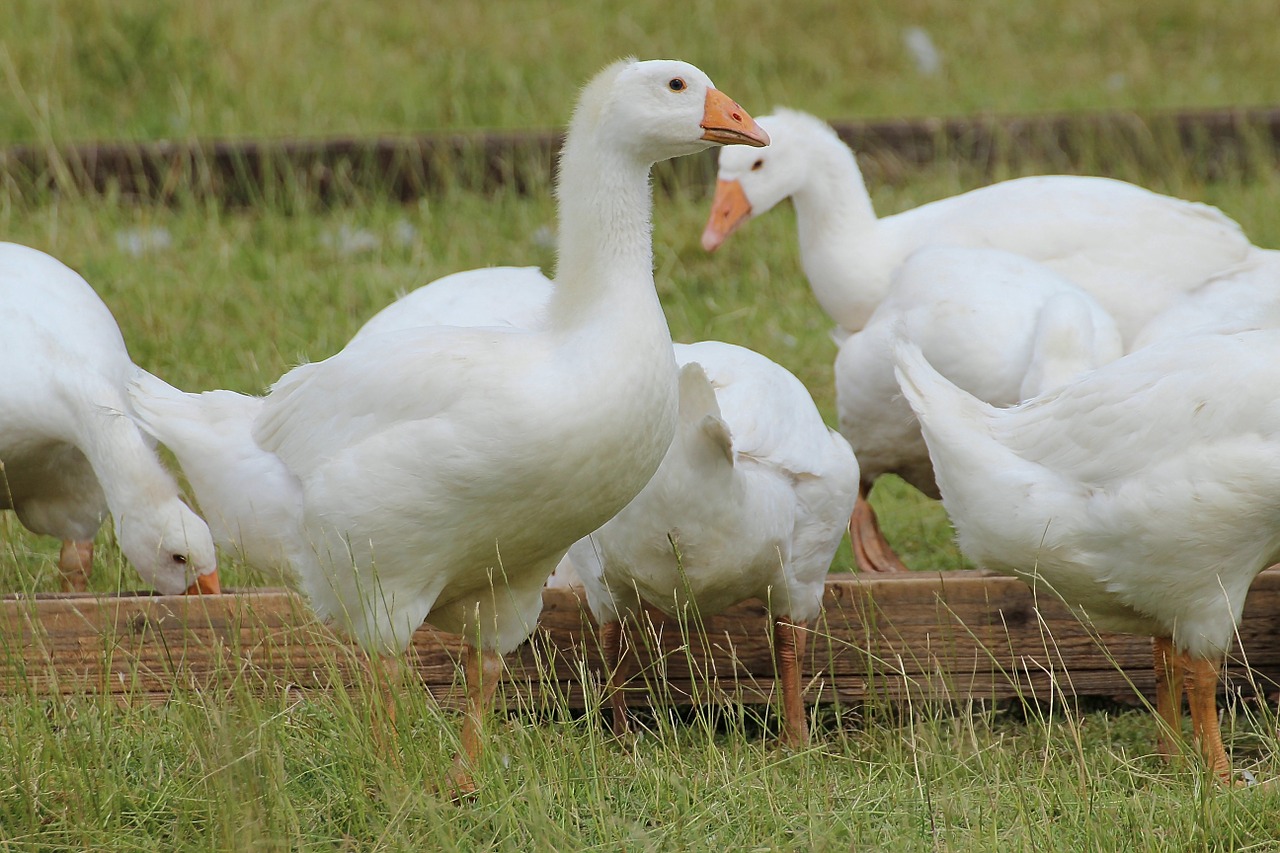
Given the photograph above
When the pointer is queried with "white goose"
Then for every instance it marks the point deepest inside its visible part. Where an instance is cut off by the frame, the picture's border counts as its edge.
(1245, 297)
(68, 454)
(441, 472)
(1133, 250)
(1146, 494)
(749, 502)
(998, 325)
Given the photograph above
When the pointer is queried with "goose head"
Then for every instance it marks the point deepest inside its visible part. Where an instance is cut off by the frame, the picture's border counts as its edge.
(171, 548)
(750, 183)
(660, 109)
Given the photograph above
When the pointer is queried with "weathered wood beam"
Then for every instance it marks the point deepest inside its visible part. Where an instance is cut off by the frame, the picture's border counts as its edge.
(1207, 142)
(951, 635)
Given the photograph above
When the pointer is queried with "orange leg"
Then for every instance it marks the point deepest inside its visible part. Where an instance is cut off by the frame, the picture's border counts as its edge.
(613, 647)
(871, 551)
(1202, 696)
(1169, 689)
(385, 672)
(788, 649)
(483, 670)
(75, 562)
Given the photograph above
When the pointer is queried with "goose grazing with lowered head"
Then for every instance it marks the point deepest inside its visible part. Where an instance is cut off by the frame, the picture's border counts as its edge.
(439, 473)
(68, 454)
(1245, 297)
(750, 502)
(998, 325)
(1134, 251)
(1146, 494)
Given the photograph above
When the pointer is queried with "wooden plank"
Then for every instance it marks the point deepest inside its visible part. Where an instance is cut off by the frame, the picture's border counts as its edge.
(1210, 143)
(952, 635)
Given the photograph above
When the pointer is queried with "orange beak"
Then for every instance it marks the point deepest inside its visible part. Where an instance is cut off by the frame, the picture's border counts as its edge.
(206, 585)
(728, 124)
(729, 209)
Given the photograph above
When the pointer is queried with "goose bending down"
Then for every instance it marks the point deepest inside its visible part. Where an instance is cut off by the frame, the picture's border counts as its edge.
(1133, 250)
(998, 325)
(749, 502)
(439, 473)
(1245, 297)
(68, 454)
(1146, 494)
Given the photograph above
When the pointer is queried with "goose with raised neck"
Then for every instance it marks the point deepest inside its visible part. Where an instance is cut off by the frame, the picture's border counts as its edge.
(443, 471)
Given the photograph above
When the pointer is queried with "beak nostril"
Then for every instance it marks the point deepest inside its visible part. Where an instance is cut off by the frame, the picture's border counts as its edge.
(737, 117)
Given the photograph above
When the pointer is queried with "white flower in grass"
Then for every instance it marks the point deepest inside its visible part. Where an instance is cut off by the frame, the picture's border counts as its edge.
(348, 241)
(403, 233)
(923, 51)
(544, 237)
(143, 241)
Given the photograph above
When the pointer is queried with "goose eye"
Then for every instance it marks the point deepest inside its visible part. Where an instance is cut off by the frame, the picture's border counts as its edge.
(677, 84)
(180, 559)
(757, 165)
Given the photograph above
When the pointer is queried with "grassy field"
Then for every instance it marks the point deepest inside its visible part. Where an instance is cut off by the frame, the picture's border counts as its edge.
(83, 69)
(214, 297)
(230, 772)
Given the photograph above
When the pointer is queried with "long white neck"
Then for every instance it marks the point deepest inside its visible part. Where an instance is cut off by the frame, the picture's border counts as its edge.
(837, 226)
(605, 318)
(605, 256)
(131, 475)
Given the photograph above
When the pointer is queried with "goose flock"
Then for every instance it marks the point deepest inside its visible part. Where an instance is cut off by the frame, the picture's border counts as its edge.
(1076, 366)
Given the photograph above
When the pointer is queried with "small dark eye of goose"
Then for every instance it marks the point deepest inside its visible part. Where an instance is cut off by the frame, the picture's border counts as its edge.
(677, 84)
(757, 165)
(180, 559)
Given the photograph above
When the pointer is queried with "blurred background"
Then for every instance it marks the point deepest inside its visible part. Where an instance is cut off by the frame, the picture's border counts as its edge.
(140, 69)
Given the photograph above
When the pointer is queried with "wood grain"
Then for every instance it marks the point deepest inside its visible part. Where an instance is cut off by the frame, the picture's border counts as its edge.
(948, 636)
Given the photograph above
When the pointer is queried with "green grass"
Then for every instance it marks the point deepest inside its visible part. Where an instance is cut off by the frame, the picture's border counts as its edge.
(234, 772)
(141, 69)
